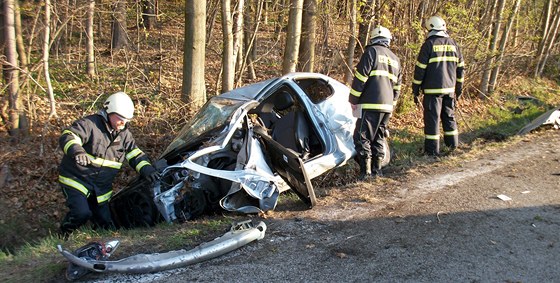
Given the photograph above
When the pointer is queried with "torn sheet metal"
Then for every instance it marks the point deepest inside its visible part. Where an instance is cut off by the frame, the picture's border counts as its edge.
(240, 235)
(551, 117)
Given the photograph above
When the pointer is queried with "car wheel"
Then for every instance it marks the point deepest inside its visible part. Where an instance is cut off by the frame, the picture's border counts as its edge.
(138, 211)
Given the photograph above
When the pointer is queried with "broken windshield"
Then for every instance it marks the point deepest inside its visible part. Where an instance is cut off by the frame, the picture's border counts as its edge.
(215, 113)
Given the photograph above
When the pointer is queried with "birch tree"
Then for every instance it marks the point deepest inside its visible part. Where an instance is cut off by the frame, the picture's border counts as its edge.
(90, 64)
(238, 35)
(228, 61)
(46, 44)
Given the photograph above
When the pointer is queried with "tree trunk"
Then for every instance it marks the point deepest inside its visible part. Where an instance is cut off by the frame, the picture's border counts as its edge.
(238, 35)
(149, 13)
(367, 15)
(19, 37)
(252, 26)
(228, 61)
(90, 65)
(351, 44)
(293, 37)
(251, 22)
(545, 23)
(279, 24)
(119, 39)
(46, 42)
(307, 48)
(17, 120)
(551, 38)
(484, 84)
(501, 51)
(194, 88)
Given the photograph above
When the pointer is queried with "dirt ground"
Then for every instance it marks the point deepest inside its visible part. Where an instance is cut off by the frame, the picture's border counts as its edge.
(441, 221)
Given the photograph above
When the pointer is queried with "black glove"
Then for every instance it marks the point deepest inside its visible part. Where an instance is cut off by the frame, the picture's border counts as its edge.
(416, 100)
(83, 159)
(150, 174)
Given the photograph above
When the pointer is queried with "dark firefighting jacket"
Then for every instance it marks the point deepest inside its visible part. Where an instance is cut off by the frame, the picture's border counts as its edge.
(377, 80)
(439, 68)
(107, 148)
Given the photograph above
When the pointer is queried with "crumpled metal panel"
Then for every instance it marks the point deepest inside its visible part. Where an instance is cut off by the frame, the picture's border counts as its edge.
(252, 197)
(240, 235)
(551, 117)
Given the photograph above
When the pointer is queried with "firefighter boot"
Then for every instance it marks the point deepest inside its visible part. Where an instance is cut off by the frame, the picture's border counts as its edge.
(376, 166)
(365, 168)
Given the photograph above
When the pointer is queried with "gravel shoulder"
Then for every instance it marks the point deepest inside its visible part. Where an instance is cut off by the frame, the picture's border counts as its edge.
(440, 222)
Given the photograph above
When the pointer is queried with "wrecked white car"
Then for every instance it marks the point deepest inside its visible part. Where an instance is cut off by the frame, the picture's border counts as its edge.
(243, 148)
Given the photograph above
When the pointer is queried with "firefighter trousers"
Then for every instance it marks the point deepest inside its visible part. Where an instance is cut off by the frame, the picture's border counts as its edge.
(82, 209)
(436, 108)
(370, 133)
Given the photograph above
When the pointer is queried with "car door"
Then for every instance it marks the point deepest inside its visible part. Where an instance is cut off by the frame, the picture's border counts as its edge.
(289, 166)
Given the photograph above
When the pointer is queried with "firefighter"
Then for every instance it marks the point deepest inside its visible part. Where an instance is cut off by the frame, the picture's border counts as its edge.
(94, 149)
(374, 93)
(438, 74)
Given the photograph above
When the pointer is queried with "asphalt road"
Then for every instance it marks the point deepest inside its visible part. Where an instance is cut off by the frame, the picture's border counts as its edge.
(440, 222)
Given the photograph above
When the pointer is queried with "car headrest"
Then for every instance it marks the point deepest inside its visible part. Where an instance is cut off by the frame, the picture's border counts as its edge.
(283, 101)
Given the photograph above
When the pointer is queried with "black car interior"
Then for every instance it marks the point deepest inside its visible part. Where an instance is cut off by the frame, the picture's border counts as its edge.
(287, 123)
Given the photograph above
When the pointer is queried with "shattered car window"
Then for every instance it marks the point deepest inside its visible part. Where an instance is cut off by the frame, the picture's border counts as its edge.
(215, 113)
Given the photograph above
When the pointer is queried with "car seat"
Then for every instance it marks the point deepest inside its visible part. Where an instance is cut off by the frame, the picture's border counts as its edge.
(276, 102)
(292, 130)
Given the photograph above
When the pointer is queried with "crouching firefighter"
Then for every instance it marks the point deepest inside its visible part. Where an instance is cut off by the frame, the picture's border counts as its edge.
(94, 148)
(375, 90)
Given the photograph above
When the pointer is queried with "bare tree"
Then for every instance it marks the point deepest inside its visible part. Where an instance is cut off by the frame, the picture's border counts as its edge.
(503, 43)
(484, 83)
(293, 37)
(545, 28)
(351, 43)
(46, 45)
(19, 37)
(228, 61)
(194, 89)
(149, 13)
(238, 35)
(367, 17)
(551, 38)
(252, 25)
(90, 65)
(119, 39)
(306, 60)
(16, 117)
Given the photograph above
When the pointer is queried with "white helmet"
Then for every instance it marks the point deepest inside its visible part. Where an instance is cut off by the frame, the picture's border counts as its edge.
(380, 31)
(436, 23)
(121, 104)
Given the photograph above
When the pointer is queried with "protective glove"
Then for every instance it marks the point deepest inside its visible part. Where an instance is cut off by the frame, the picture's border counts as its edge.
(416, 100)
(83, 159)
(150, 174)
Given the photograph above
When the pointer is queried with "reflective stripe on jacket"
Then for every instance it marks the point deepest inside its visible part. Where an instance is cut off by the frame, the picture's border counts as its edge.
(107, 149)
(377, 80)
(439, 67)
